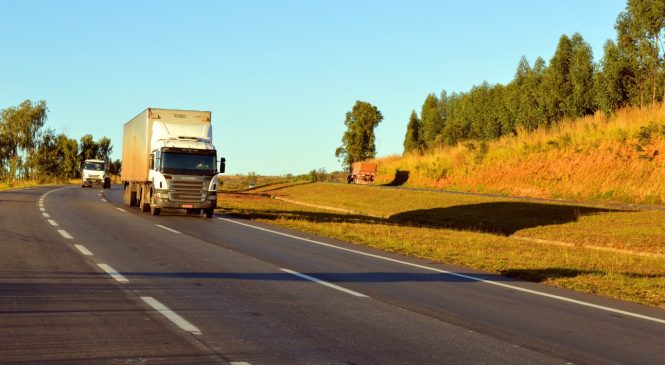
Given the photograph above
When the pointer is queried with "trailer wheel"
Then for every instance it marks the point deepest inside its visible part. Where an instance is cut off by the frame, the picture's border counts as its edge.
(208, 212)
(155, 211)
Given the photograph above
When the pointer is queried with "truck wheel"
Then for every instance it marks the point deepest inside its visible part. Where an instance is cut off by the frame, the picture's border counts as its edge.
(208, 212)
(155, 211)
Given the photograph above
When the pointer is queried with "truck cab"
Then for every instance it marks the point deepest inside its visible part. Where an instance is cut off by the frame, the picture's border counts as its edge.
(184, 175)
(93, 172)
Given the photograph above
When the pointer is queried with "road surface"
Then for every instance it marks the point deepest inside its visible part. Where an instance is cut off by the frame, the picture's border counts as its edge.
(86, 280)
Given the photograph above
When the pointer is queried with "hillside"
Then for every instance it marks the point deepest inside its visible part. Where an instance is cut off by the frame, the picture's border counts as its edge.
(595, 158)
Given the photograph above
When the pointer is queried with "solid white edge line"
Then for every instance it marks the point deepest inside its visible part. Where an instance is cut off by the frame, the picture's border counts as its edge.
(122, 210)
(167, 228)
(64, 234)
(171, 315)
(113, 273)
(468, 277)
(330, 285)
(53, 223)
(83, 250)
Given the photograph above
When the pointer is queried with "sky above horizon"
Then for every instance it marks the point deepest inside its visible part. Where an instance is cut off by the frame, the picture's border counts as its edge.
(278, 76)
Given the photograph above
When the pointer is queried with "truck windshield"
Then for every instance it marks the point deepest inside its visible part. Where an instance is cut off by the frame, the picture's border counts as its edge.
(188, 163)
(97, 166)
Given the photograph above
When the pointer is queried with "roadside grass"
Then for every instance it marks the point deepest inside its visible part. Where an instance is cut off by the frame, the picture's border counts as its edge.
(20, 184)
(596, 158)
(639, 232)
(476, 232)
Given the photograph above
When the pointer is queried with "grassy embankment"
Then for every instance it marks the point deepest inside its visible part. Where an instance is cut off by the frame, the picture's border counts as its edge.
(613, 253)
(617, 159)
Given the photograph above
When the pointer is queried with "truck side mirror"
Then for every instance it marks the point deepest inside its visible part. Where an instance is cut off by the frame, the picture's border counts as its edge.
(222, 165)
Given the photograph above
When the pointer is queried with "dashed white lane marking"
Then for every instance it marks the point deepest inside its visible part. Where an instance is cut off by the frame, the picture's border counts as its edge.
(64, 233)
(42, 209)
(468, 277)
(46, 215)
(113, 273)
(83, 250)
(171, 315)
(122, 210)
(53, 223)
(337, 287)
(240, 363)
(104, 200)
(167, 228)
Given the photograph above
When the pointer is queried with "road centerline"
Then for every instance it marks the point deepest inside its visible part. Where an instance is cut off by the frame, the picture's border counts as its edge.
(172, 316)
(113, 273)
(167, 228)
(65, 234)
(330, 285)
(83, 250)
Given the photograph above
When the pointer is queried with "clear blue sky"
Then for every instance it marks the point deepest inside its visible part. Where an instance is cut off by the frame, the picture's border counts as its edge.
(278, 76)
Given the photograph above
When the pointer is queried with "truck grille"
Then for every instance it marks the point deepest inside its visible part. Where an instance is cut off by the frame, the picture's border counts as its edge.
(188, 191)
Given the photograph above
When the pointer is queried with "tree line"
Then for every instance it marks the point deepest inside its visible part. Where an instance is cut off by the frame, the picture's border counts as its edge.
(30, 151)
(630, 73)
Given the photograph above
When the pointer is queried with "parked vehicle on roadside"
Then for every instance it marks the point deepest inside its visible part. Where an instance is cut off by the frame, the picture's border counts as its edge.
(94, 172)
(169, 161)
(362, 173)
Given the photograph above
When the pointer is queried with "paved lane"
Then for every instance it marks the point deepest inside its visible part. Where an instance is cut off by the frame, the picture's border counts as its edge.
(245, 292)
(56, 308)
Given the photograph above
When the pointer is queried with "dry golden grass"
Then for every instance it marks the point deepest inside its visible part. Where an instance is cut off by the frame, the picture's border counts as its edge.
(595, 158)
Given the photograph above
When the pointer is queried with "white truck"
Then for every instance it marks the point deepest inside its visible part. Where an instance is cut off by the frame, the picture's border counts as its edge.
(169, 161)
(93, 172)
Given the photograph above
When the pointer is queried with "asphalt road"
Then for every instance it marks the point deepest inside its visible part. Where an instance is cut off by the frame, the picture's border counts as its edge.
(85, 280)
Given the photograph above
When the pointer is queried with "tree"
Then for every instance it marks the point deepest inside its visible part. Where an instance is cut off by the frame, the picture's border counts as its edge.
(412, 140)
(114, 167)
(89, 148)
(614, 82)
(432, 120)
(69, 165)
(19, 128)
(641, 54)
(358, 140)
(558, 96)
(46, 159)
(581, 78)
(647, 18)
(105, 149)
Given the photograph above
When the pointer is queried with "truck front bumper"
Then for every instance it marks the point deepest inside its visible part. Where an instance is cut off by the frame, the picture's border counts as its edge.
(164, 202)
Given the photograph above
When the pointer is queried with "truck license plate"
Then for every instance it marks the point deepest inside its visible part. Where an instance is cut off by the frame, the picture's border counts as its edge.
(186, 206)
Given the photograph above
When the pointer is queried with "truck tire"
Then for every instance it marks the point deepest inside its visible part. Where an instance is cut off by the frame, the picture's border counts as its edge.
(208, 212)
(155, 211)
(144, 201)
(131, 195)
